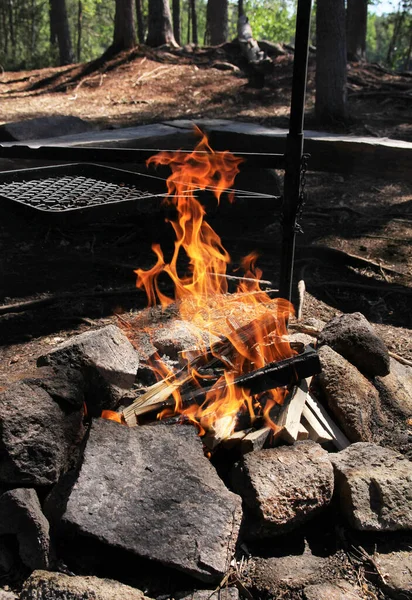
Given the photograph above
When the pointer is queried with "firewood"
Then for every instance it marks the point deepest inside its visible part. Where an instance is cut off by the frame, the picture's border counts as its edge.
(234, 439)
(303, 433)
(316, 431)
(289, 419)
(339, 439)
(255, 440)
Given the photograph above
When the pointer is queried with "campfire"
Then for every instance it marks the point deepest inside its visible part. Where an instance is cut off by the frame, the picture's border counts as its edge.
(243, 366)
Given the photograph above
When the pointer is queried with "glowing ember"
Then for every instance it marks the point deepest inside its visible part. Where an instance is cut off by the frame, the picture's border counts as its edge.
(201, 294)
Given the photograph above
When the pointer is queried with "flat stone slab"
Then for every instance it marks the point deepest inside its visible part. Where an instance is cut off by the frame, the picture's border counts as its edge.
(353, 337)
(396, 570)
(38, 437)
(33, 129)
(151, 491)
(338, 590)
(106, 359)
(374, 487)
(21, 516)
(352, 399)
(46, 585)
(284, 487)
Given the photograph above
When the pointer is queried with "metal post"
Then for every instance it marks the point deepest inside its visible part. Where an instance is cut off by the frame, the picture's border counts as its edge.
(294, 147)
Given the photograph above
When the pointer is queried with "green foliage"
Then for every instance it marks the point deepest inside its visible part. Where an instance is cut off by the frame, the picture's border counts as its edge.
(272, 20)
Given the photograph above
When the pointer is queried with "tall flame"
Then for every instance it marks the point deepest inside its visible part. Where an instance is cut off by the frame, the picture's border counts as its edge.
(201, 294)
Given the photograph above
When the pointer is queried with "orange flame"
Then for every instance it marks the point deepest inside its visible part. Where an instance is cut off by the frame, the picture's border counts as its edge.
(201, 294)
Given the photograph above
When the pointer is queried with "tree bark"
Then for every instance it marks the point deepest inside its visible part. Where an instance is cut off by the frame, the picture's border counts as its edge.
(176, 19)
(356, 23)
(217, 22)
(400, 17)
(160, 24)
(59, 28)
(193, 15)
(79, 29)
(330, 104)
(140, 21)
(124, 36)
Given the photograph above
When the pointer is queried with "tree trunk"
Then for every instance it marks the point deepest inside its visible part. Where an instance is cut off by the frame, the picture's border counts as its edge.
(140, 21)
(400, 17)
(240, 9)
(59, 28)
(124, 36)
(356, 23)
(160, 24)
(176, 19)
(79, 29)
(193, 14)
(189, 20)
(330, 103)
(217, 22)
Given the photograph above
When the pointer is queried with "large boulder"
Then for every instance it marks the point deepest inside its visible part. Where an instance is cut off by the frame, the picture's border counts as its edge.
(374, 487)
(151, 491)
(38, 437)
(353, 337)
(283, 487)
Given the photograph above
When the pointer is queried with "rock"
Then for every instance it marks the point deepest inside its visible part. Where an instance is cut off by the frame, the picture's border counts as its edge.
(374, 487)
(45, 585)
(353, 337)
(107, 361)
(7, 559)
(38, 438)
(179, 335)
(21, 515)
(272, 576)
(224, 593)
(63, 384)
(7, 595)
(338, 590)
(352, 399)
(395, 390)
(43, 127)
(151, 492)
(396, 569)
(284, 487)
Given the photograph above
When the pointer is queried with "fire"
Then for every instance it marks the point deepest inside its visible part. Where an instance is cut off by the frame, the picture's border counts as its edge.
(201, 292)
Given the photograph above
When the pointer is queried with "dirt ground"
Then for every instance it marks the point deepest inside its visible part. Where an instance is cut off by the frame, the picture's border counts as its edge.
(76, 276)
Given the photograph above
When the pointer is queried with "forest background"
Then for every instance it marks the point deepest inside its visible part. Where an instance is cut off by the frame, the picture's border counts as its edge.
(27, 40)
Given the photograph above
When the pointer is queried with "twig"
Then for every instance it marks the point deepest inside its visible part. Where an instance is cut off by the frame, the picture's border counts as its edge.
(301, 292)
(401, 359)
(247, 279)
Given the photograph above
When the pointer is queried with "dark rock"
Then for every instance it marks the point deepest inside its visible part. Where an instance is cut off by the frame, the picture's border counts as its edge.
(395, 568)
(352, 399)
(284, 487)
(38, 438)
(63, 384)
(151, 492)
(354, 338)
(21, 515)
(7, 560)
(374, 487)
(338, 590)
(43, 127)
(395, 390)
(107, 360)
(46, 585)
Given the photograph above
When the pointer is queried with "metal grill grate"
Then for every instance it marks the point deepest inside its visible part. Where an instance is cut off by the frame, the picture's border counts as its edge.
(69, 192)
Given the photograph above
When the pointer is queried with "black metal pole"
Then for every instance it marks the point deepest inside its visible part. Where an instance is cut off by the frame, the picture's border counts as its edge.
(294, 147)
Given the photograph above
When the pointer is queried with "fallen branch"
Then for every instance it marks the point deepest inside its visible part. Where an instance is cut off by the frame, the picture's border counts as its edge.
(401, 359)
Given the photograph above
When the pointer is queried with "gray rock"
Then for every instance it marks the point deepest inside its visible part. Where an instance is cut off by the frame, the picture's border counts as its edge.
(21, 515)
(353, 337)
(395, 390)
(338, 590)
(352, 399)
(107, 360)
(38, 438)
(226, 593)
(42, 127)
(7, 595)
(176, 336)
(374, 487)
(63, 384)
(284, 487)
(151, 491)
(396, 570)
(46, 585)
(272, 576)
